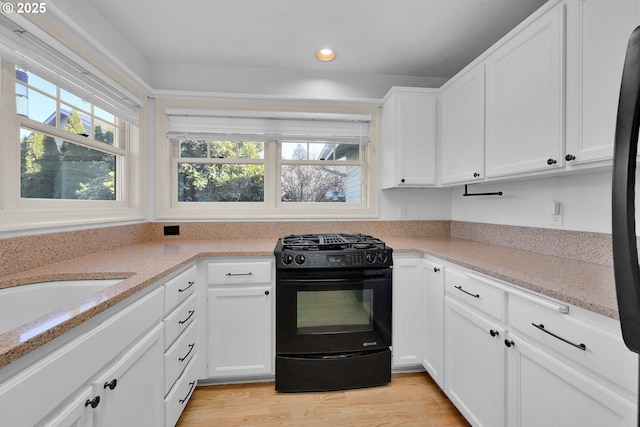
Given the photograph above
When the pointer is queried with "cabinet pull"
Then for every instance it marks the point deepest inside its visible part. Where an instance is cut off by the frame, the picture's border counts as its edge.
(436, 269)
(192, 384)
(190, 283)
(569, 157)
(239, 274)
(182, 359)
(182, 322)
(93, 402)
(509, 343)
(111, 384)
(476, 174)
(551, 162)
(541, 327)
(466, 292)
(494, 333)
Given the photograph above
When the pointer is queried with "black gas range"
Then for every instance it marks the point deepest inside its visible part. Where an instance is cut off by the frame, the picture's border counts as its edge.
(333, 312)
(332, 251)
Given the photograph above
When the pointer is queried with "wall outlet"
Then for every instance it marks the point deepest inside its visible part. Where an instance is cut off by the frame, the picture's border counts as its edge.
(171, 230)
(402, 211)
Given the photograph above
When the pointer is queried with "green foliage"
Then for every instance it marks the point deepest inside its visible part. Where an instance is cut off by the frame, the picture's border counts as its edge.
(206, 182)
(65, 170)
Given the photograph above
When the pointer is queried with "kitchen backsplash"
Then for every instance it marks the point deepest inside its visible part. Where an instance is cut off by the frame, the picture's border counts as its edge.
(274, 230)
(26, 252)
(579, 245)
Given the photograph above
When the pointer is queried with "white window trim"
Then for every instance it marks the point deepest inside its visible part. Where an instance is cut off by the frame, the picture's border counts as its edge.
(23, 214)
(168, 208)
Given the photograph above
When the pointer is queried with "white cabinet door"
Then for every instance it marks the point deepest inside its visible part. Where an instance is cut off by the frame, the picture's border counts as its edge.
(132, 391)
(474, 365)
(408, 138)
(407, 333)
(241, 331)
(544, 392)
(433, 320)
(462, 128)
(597, 35)
(78, 413)
(525, 99)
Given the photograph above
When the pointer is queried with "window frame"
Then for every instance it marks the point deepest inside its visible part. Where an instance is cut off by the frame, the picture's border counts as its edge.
(17, 213)
(166, 187)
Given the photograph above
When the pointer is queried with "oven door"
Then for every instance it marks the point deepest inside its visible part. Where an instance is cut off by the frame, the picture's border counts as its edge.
(331, 311)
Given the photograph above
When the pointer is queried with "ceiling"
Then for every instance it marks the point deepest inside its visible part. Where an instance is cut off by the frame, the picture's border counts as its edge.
(434, 38)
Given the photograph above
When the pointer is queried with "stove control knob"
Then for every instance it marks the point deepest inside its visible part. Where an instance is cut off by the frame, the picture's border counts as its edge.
(381, 257)
(287, 259)
(300, 259)
(370, 257)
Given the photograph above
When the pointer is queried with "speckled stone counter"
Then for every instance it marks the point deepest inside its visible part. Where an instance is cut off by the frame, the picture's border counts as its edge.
(587, 285)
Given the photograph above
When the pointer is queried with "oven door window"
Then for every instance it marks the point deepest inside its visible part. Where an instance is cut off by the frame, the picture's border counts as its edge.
(334, 311)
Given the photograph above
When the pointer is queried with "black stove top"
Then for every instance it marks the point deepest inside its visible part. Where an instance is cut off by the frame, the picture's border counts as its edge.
(332, 250)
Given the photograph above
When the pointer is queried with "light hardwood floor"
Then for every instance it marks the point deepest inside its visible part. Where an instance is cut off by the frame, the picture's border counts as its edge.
(412, 399)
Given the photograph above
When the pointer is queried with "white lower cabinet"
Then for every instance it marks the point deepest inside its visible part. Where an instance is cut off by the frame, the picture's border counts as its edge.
(519, 359)
(131, 390)
(407, 335)
(104, 376)
(433, 320)
(543, 391)
(181, 345)
(474, 364)
(241, 319)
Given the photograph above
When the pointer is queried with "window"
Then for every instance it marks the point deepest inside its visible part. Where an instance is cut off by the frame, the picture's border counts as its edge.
(243, 164)
(220, 171)
(66, 158)
(69, 148)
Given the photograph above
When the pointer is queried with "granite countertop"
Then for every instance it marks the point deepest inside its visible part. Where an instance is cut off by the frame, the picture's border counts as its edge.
(590, 286)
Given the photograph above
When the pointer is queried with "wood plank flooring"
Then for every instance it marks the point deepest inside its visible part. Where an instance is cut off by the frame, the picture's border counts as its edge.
(412, 399)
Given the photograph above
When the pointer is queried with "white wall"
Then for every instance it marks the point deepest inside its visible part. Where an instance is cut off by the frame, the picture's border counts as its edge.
(415, 204)
(278, 83)
(585, 199)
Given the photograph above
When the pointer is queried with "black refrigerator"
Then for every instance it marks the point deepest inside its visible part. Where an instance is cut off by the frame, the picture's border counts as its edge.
(625, 250)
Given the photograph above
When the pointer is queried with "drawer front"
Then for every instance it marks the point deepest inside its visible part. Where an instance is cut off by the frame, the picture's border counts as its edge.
(179, 288)
(178, 356)
(179, 319)
(180, 394)
(229, 273)
(479, 294)
(586, 344)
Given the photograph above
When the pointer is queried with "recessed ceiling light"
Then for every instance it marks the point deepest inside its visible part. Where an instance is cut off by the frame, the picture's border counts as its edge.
(326, 55)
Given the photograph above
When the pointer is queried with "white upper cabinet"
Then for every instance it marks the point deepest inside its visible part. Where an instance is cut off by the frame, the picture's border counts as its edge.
(408, 138)
(462, 122)
(525, 99)
(597, 35)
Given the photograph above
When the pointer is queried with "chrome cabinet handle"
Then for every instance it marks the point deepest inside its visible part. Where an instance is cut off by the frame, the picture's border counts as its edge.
(239, 274)
(190, 283)
(182, 322)
(466, 292)
(579, 346)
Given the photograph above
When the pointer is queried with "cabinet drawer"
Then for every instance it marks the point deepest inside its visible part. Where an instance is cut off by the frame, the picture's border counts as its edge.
(179, 320)
(179, 395)
(477, 292)
(179, 355)
(179, 288)
(229, 273)
(587, 344)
